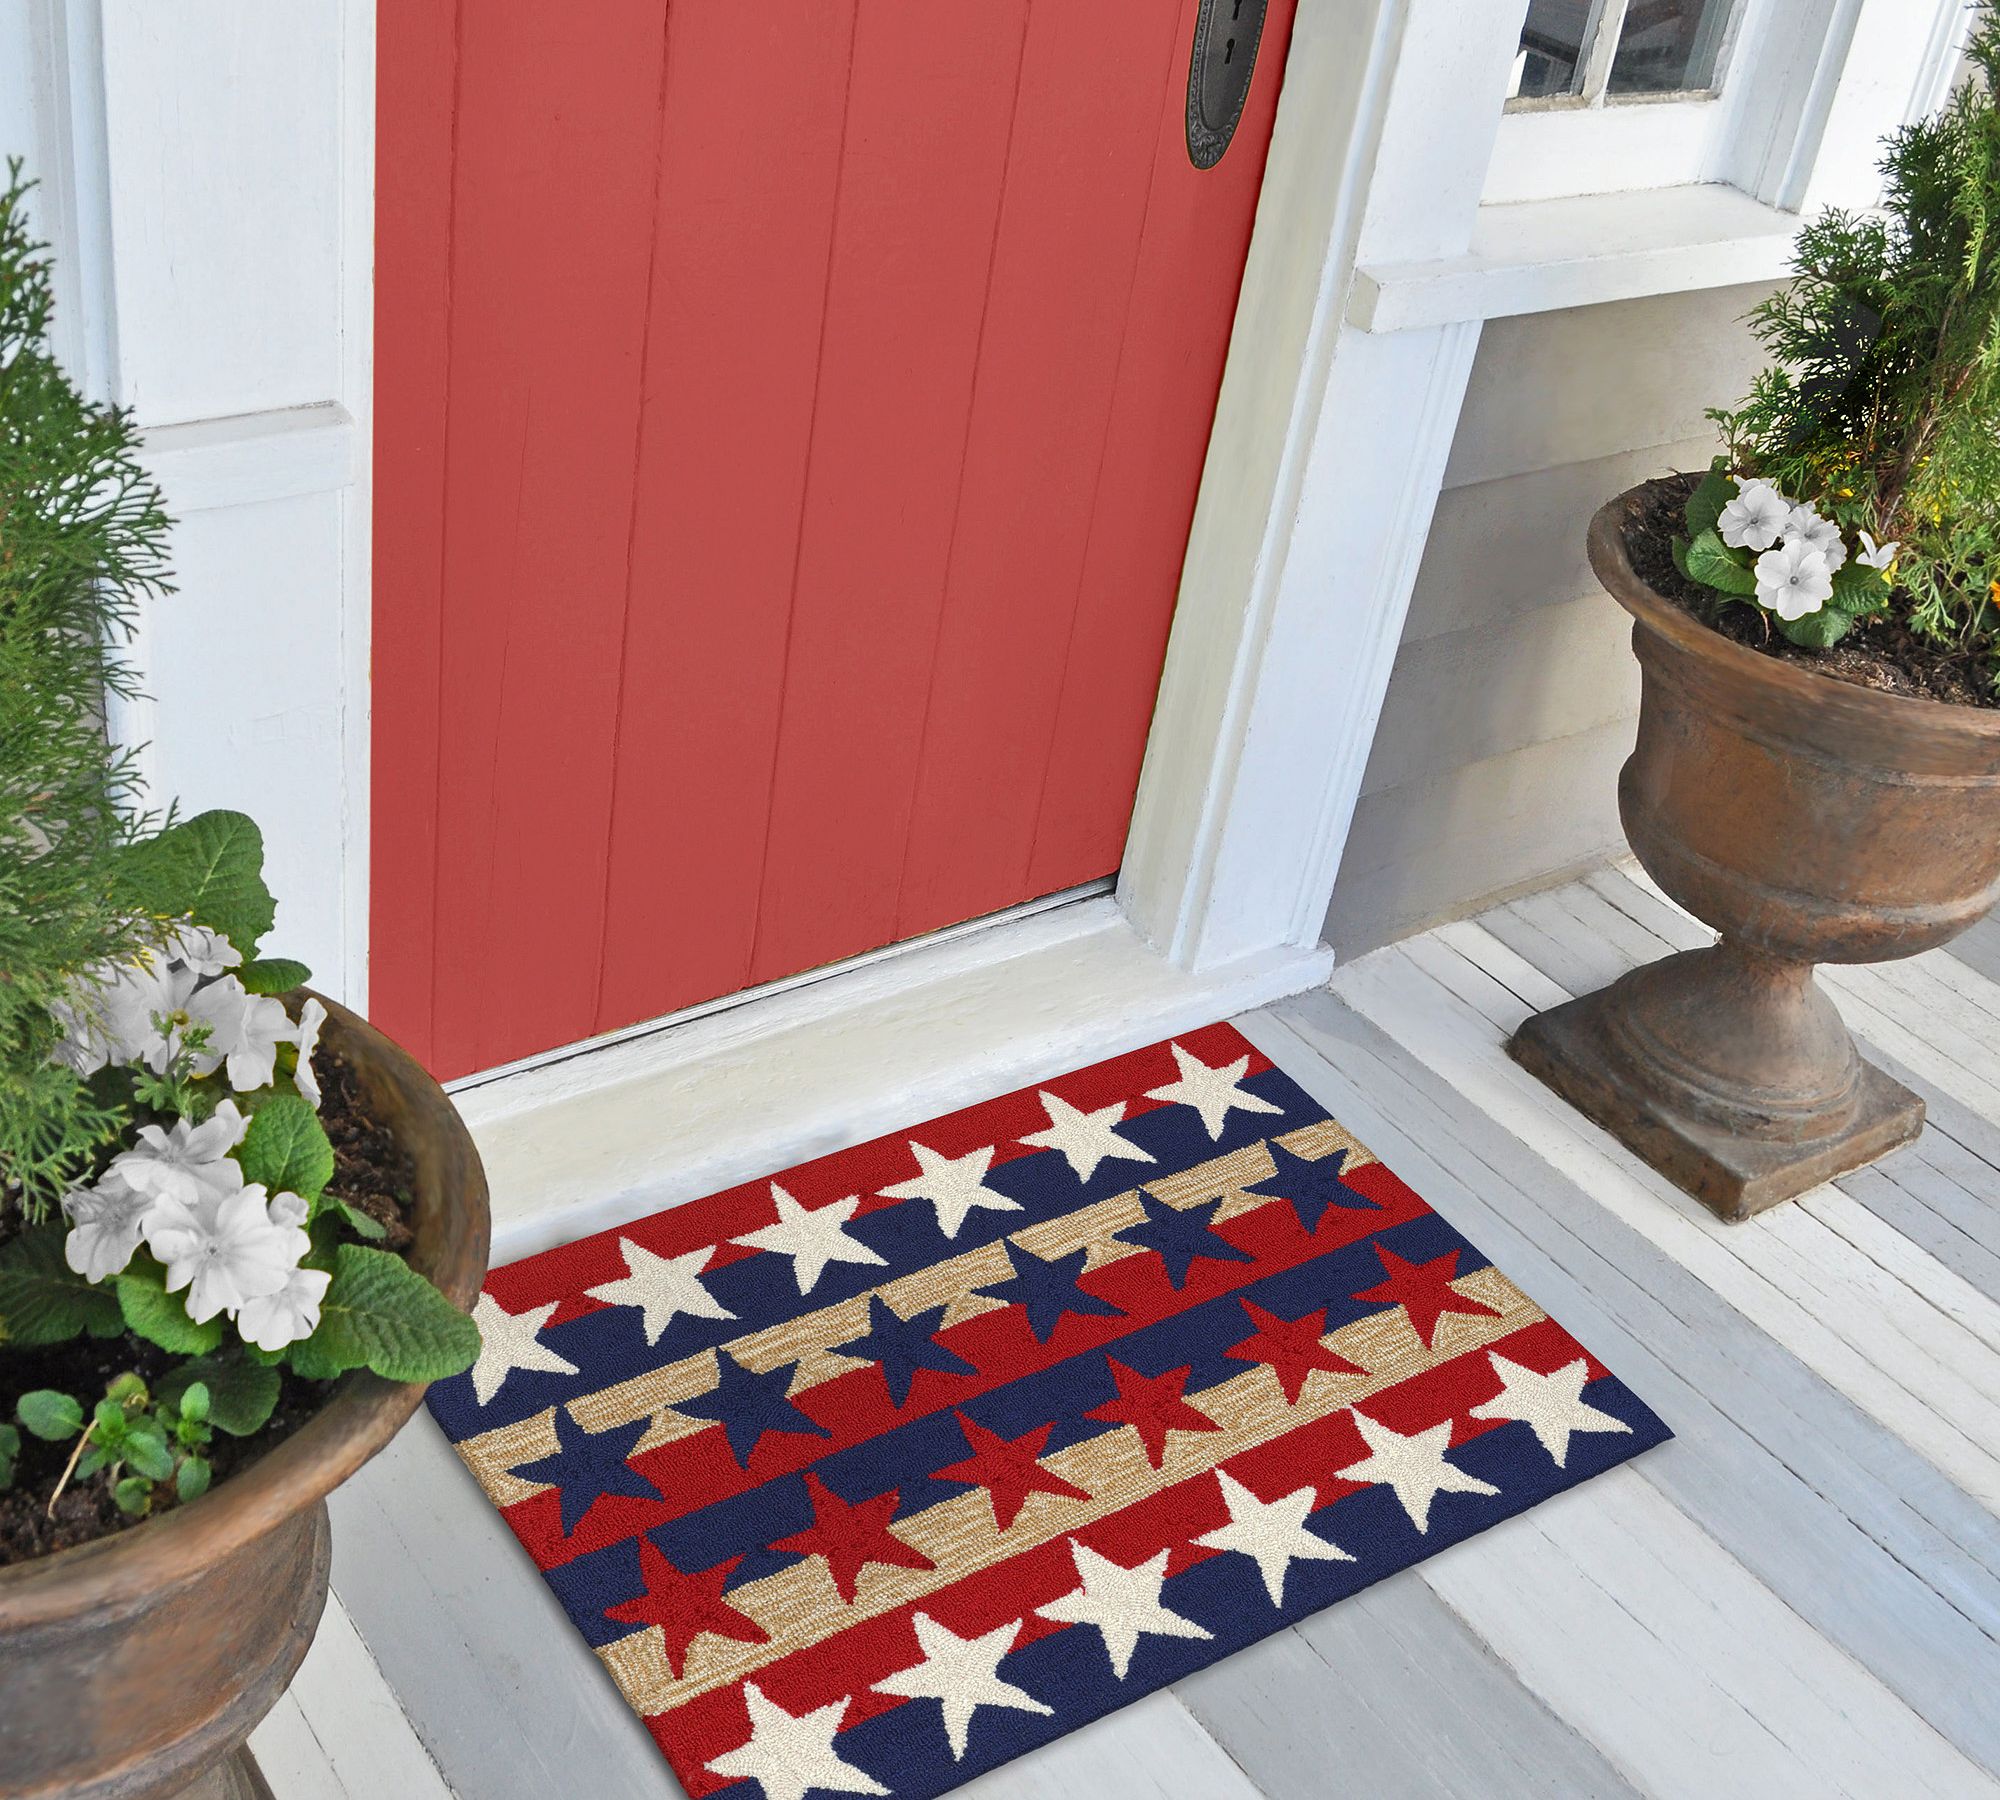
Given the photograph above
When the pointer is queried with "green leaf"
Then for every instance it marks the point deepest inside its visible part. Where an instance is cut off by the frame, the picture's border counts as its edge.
(1713, 564)
(211, 867)
(1858, 590)
(194, 1402)
(273, 975)
(1817, 630)
(147, 1452)
(360, 1223)
(286, 1148)
(158, 1316)
(191, 1479)
(43, 1300)
(380, 1314)
(134, 1496)
(241, 1393)
(51, 1416)
(1714, 491)
(94, 1459)
(10, 1448)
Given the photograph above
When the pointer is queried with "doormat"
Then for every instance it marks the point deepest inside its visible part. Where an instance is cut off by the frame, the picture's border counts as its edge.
(867, 1477)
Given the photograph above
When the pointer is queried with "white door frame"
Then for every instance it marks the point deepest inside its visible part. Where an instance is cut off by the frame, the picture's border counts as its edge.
(1324, 466)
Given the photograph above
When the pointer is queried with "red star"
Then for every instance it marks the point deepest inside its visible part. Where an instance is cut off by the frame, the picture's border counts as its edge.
(1291, 1347)
(1153, 1404)
(850, 1537)
(1423, 1290)
(684, 1606)
(1008, 1471)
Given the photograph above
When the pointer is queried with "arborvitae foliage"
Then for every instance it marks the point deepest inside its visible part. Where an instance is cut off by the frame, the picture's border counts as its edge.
(1883, 403)
(82, 541)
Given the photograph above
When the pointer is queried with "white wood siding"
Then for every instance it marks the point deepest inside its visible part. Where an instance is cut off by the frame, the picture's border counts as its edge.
(1514, 691)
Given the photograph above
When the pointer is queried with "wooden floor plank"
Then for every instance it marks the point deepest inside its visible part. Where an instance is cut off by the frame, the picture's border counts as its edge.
(1857, 1533)
(339, 1732)
(1979, 948)
(1390, 1693)
(1631, 1620)
(1152, 1750)
(1930, 1209)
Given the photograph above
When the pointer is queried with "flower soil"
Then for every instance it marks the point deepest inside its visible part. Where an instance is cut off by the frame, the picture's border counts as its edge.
(1880, 653)
(372, 1173)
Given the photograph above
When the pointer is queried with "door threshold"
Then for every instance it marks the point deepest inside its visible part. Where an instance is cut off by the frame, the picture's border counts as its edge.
(590, 1046)
(626, 1126)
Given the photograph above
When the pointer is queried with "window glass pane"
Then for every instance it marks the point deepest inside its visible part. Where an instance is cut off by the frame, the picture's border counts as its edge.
(1669, 46)
(1551, 57)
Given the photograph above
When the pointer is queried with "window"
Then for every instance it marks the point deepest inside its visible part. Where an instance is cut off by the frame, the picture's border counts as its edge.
(1609, 95)
(1590, 52)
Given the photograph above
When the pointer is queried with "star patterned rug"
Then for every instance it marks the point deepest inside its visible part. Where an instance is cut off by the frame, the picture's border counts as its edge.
(870, 1476)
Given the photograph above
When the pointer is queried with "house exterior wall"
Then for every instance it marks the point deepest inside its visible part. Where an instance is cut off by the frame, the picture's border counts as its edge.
(1514, 693)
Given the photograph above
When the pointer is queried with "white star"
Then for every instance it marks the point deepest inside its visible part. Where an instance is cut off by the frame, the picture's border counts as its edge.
(1122, 1603)
(963, 1673)
(812, 1238)
(1085, 1138)
(791, 1756)
(1211, 1092)
(1553, 1404)
(507, 1342)
(1414, 1466)
(1272, 1533)
(661, 1286)
(953, 1184)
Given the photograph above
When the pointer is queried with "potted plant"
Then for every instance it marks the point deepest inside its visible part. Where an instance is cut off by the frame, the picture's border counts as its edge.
(1817, 620)
(238, 1228)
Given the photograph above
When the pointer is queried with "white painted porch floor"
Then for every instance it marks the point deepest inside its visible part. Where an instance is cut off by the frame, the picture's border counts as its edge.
(1799, 1596)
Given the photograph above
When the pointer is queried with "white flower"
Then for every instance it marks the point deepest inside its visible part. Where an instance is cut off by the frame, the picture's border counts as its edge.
(86, 1046)
(311, 1017)
(1876, 556)
(1753, 520)
(1806, 524)
(115, 1012)
(274, 1320)
(106, 1224)
(225, 1251)
(187, 1161)
(288, 1209)
(1793, 579)
(244, 1030)
(204, 951)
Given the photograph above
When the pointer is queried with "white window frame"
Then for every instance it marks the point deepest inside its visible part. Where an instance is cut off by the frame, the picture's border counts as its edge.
(1594, 141)
(1772, 73)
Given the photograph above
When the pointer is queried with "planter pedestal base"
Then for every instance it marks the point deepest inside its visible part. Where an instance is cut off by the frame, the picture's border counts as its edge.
(1728, 1070)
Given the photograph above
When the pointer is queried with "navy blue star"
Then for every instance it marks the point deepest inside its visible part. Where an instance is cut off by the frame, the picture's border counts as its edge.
(1180, 1237)
(1048, 1290)
(589, 1465)
(1310, 1185)
(746, 1406)
(903, 1346)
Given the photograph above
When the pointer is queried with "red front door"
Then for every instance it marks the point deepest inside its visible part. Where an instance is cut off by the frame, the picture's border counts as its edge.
(788, 422)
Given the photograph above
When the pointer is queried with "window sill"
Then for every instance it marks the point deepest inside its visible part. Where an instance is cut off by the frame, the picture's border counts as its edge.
(1539, 255)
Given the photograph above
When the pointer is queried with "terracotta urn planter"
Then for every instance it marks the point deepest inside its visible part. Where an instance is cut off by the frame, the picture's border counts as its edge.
(1807, 820)
(136, 1666)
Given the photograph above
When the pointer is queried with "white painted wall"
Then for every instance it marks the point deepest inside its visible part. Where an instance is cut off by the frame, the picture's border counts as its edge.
(1514, 694)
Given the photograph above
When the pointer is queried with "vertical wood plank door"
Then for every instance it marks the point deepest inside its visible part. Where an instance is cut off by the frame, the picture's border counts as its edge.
(788, 422)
